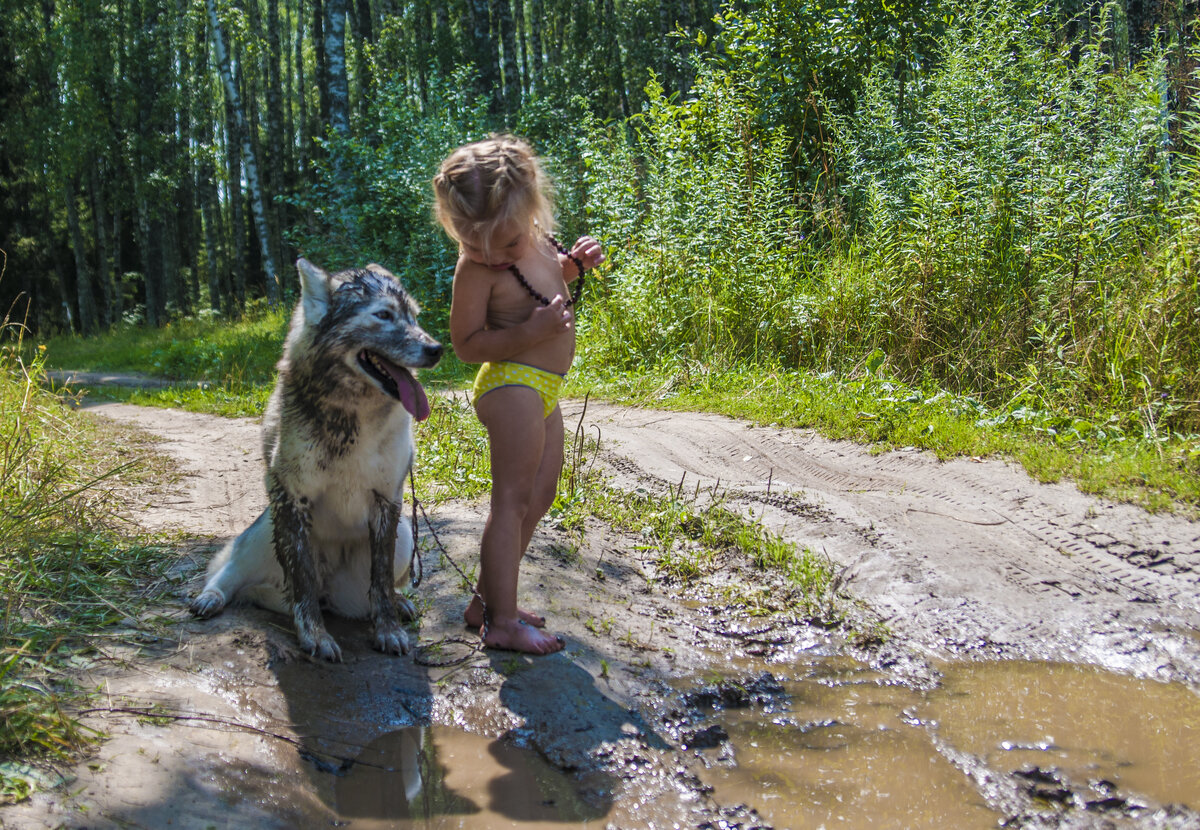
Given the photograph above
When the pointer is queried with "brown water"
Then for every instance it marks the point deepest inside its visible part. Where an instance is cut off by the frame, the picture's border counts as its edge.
(437, 778)
(842, 747)
(848, 750)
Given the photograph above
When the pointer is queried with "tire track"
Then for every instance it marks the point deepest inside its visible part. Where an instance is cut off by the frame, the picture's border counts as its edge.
(952, 553)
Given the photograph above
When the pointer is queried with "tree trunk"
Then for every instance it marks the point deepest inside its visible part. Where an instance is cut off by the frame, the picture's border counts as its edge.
(83, 272)
(483, 53)
(614, 59)
(151, 278)
(426, 42)
(275, 132)
(364, 35)
(502, 17)
(118, 259)
(104, 253)
(185, 219)
(290, 128)
(522, 46)
(237, 216)
(443, 39)
(322, 79)
(176, 291)
(250, 162)
(305, 132)
(335, 65)
(537, 16)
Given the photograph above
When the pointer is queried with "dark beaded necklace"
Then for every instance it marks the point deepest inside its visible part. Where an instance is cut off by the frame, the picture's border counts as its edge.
(576, 293)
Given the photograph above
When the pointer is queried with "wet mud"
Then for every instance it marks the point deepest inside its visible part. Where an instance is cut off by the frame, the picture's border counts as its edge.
(1040, 668)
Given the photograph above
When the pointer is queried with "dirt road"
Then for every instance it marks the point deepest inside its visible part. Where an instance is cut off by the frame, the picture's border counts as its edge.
(223, 724)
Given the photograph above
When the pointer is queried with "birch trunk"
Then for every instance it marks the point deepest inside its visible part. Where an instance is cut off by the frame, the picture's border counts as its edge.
(335, 66)
(249, 162)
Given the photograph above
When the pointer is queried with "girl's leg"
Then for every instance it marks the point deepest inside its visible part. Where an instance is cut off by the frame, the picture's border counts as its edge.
(545, 488)
(517, 430)
(545, 485)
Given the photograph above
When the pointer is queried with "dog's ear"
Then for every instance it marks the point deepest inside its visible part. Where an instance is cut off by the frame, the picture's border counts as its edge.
(381, 271)
(376, 268)
(315, 288)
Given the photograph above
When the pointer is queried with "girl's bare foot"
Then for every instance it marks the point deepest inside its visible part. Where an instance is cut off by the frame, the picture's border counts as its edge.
(473, 616)
(518, 635)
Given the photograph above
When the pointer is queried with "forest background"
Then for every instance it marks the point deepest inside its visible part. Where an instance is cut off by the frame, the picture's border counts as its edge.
(992, 201)
(966, 225)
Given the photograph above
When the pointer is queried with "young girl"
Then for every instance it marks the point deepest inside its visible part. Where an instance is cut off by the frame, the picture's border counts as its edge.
(511, 312)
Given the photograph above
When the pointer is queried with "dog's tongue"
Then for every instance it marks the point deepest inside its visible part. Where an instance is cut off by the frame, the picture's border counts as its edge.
(412, 394)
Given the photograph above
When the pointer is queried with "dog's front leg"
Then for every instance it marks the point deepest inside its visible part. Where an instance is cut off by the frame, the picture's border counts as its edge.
(292, 538)
(390, 638)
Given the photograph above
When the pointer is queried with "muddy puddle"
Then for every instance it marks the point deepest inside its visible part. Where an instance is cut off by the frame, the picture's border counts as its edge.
(440, 777)
(840, 746)
(833, 744)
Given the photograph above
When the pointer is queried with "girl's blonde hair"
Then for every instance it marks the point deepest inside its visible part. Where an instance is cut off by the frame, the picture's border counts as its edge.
(490, 183)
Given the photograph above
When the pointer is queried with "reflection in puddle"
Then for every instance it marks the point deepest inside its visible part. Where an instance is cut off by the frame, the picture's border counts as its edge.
(437, 778)
(844, 749)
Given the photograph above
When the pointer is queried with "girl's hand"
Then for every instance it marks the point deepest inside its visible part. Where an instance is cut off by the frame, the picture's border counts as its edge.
(588, 251)
(548, 321)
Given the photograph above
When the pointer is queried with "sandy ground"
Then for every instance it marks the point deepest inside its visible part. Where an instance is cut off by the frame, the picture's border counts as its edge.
(223, 724)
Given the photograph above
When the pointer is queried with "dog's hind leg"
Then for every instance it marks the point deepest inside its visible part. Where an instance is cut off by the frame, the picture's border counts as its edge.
(246, 566)
(390, 638)
(292, 536)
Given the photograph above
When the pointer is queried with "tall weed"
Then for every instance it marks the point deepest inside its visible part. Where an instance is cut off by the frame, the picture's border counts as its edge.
(701, 230)
(66, 572)
(1015, 226)
(1015, 205)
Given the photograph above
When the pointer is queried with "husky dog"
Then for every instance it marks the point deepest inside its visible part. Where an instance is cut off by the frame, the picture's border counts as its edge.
(337, 441)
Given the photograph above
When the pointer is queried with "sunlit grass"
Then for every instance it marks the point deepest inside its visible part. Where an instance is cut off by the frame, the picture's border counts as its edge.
(1103, 453)
(684, 538)
(70, 570)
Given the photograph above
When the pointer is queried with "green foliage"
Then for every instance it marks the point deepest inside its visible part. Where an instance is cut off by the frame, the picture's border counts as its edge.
(201, 348)
(712, 262)
(1009, 218)
(66, 575)
(1014, 228)
(373, 196)
(805, 59)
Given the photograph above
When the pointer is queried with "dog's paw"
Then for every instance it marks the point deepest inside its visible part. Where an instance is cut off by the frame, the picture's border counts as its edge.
(391, 640)
(209, 603)
(322, 646)
(405, 608)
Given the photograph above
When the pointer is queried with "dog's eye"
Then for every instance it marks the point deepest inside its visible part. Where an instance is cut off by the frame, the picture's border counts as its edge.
(385, 315)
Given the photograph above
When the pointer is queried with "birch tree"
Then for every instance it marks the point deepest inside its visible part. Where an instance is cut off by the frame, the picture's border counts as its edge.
(249, 161)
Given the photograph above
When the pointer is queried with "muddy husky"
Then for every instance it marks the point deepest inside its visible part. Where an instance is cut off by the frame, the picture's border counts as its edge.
(337, 441)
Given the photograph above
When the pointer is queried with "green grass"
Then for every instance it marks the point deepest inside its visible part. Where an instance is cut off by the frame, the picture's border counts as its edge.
(220, 367)
(194, 349)
(70, 574)
(1110, 454)
(686, 537)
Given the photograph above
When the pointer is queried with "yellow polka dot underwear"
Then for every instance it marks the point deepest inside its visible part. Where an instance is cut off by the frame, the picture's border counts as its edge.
(506, 373)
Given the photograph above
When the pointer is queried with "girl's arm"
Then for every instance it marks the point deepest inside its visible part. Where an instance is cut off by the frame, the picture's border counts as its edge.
(474, 342)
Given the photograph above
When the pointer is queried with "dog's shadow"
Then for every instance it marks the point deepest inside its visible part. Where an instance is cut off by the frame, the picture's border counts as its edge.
(372, 753)
(342, 711)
